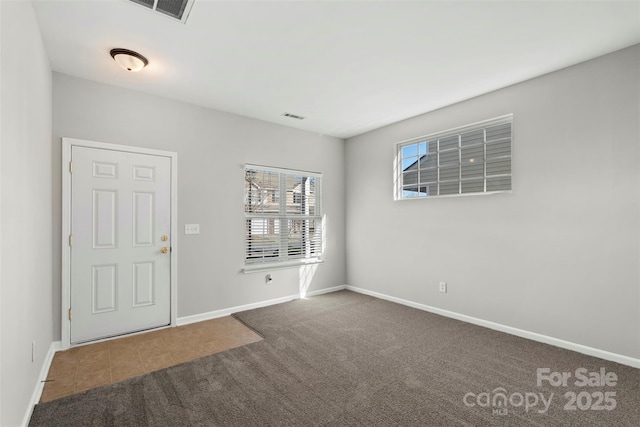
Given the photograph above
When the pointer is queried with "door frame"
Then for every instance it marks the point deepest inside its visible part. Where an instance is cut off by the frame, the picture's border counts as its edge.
(67, 144)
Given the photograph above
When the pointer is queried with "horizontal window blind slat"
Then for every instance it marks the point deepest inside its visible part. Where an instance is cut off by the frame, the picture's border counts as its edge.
(283, 215)
(278, 170)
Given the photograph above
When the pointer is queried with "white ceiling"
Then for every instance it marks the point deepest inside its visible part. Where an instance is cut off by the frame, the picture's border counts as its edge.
(348, 67)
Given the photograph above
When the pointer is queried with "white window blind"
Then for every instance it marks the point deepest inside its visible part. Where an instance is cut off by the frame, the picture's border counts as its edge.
(283, 217)
(465, 160)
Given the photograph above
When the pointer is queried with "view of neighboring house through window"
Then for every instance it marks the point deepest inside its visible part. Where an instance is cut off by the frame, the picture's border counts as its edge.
(283, 216)
(466, 160)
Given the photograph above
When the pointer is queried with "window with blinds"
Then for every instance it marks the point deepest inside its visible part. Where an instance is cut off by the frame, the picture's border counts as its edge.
(467, 160)
(283, 217)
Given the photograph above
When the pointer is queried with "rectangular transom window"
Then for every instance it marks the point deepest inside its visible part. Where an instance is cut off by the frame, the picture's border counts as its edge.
(465, 160)
(283, 217)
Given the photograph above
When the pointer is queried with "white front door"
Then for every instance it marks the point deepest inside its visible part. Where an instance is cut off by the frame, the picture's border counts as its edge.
(120, 275)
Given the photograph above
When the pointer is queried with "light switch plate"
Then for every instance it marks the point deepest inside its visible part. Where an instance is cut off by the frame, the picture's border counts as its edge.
(192, 229)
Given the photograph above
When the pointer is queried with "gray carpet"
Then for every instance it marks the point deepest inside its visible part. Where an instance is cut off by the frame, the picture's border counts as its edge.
(346, 359)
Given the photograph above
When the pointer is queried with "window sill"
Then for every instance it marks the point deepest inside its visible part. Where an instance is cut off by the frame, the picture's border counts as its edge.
(256, 268)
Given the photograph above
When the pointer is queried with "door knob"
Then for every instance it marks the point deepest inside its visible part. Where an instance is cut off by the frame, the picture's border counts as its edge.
(164, 250)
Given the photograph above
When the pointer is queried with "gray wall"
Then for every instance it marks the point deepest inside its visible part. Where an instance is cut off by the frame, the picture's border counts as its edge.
(560, 254)
(25, 224)
(212, 148)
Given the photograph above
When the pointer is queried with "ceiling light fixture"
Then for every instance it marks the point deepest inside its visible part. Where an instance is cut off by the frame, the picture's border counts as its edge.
(128, 59)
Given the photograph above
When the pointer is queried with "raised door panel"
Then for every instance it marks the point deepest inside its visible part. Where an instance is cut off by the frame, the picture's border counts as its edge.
(143, 218)
(143, 284)
(105, 170)
(105, 219)
(104, 288)
(144, 173)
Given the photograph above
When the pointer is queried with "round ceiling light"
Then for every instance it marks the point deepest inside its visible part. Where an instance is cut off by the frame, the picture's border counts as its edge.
(129, 60)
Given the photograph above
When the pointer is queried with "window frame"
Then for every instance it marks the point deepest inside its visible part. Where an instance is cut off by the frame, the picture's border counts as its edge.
(311, 247)
(458, 132)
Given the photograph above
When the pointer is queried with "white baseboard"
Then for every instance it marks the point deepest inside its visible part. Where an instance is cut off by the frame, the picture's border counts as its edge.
(39, 387)
(228, 311)
(590, 351)
(326, 291)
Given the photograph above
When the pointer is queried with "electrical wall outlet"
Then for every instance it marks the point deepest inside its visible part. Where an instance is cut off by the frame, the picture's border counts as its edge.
(192, 229)
(443, 287)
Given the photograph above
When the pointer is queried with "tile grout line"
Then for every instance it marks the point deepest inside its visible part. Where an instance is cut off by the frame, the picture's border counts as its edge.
(75, 374)
(144, 367)
(110, 365)
(166, 347)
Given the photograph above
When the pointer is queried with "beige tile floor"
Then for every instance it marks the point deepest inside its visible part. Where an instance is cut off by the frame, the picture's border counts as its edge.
(82, 368)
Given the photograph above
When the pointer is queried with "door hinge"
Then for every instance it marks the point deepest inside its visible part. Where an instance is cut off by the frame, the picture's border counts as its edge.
(70, 240)
(69, 314)
(70, 167)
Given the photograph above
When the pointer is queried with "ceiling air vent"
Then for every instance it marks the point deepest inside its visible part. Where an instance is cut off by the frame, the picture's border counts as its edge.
(293, 116)
(176, 9)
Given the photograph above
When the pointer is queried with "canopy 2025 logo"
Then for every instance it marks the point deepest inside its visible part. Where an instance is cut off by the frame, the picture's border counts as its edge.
(583, 400)
(499, 400)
